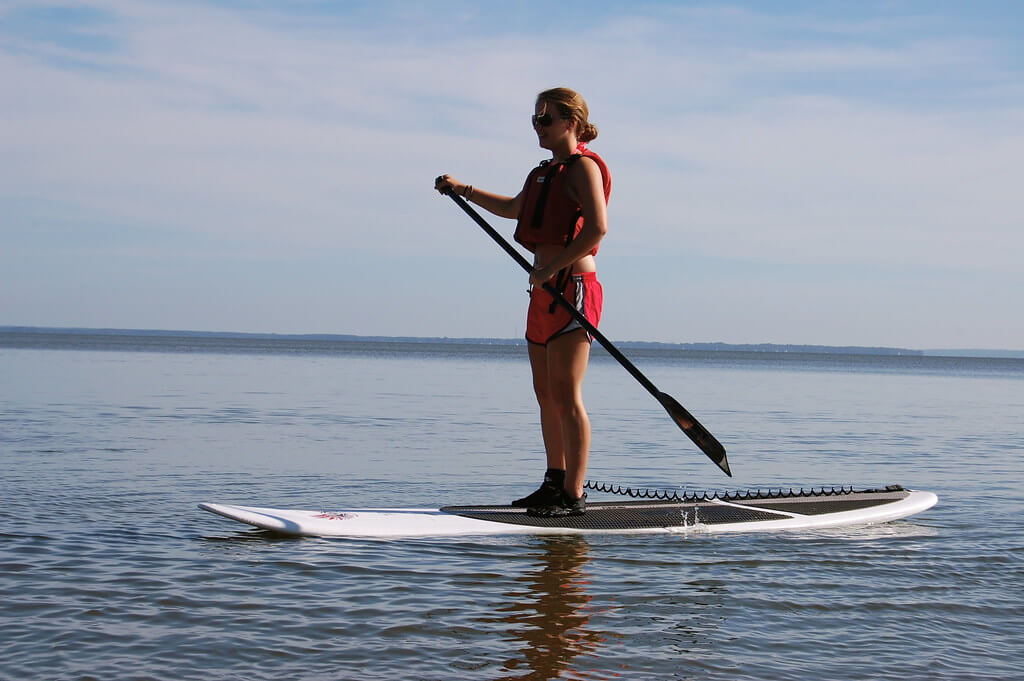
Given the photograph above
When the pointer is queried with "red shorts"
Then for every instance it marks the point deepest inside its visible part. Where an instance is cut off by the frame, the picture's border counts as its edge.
(544, 323)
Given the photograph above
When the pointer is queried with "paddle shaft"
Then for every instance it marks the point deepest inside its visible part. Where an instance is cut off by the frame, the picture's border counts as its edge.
(559, 298)
(696, 432)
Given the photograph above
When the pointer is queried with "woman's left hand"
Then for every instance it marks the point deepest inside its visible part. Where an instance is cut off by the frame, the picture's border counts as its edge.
(540, 276)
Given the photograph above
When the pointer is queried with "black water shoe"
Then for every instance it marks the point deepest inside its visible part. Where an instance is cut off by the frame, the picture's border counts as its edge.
(550, 489)
(546, 495)
(565, 506)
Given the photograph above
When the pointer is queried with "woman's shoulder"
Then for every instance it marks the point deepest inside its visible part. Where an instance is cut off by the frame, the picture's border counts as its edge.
(591, 168)
(589, 163)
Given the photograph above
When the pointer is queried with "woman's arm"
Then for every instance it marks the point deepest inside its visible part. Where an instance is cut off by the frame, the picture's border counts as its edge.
(586, 186)
(502, 206)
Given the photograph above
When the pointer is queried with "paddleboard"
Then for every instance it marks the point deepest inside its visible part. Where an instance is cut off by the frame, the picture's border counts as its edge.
(749, 511)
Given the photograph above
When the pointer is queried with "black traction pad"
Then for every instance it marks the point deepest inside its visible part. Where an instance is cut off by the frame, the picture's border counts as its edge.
(739, 507)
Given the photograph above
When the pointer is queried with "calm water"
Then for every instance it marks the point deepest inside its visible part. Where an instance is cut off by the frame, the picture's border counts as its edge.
(108, 570)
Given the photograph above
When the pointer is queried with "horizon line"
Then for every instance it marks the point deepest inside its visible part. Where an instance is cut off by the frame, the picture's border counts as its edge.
(693, 345)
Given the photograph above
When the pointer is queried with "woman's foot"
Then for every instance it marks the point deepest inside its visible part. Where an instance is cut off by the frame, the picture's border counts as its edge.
(565, 505)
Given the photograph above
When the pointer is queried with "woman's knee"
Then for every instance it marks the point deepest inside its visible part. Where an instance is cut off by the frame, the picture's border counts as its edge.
(543, 391)
(566, 397)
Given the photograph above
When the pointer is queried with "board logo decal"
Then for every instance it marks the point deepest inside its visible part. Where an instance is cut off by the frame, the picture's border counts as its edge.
(330, 515)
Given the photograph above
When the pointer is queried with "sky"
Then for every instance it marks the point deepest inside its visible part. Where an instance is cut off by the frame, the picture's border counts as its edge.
(783, 172)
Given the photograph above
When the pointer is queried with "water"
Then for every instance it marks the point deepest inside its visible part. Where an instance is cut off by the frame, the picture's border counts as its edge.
(108, 571)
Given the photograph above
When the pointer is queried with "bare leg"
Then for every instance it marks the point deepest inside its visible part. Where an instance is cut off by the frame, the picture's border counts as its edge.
(550, 420)
(558, 371)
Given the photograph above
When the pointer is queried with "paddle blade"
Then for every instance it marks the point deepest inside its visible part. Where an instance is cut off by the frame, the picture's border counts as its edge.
(695, 431)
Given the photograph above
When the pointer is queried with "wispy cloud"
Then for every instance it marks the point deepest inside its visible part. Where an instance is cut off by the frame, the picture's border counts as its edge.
(873, 138)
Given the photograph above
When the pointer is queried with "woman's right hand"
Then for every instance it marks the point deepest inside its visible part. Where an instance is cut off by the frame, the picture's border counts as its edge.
(444, 183)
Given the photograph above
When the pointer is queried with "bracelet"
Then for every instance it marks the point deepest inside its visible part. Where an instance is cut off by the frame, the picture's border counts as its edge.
(467, 191)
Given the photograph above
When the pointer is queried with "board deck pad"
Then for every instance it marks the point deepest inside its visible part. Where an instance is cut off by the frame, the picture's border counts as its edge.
(718, 512)
(699, 510)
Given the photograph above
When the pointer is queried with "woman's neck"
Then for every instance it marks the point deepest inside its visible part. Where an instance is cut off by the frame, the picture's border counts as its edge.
(564, 150)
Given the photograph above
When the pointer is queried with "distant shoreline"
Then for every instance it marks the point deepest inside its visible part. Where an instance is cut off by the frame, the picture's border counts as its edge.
(644, 345)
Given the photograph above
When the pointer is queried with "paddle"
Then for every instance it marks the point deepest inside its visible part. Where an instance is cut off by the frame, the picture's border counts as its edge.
(684, 419)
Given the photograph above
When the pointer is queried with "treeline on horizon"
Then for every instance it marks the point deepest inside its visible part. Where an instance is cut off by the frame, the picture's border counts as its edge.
(349, 338)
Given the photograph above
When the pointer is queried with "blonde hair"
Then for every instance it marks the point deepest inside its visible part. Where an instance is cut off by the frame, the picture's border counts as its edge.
(571, 106)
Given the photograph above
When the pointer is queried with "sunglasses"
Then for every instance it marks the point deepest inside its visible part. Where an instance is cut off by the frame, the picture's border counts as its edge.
(544, 120)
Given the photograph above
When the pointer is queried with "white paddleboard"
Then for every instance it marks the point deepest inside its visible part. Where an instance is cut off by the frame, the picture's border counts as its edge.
(733, 512)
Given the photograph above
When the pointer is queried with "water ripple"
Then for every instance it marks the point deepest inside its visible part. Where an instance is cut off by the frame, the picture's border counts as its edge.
(108, 572)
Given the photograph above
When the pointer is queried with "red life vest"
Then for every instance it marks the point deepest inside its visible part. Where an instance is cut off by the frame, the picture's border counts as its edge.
(548, 215)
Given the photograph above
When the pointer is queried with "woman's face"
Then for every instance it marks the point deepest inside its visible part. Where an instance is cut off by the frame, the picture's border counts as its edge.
(556, 128)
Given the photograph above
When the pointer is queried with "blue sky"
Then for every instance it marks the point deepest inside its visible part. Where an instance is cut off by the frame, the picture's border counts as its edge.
(792, 172)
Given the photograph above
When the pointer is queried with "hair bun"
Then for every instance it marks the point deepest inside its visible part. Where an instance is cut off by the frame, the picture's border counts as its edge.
(587, 132)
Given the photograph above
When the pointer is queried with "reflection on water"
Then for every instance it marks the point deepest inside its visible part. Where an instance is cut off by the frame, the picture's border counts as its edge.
(550, 614)
(562, 623)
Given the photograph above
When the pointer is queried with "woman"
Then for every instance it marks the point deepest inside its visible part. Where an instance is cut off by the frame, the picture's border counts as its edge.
(562, 217)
